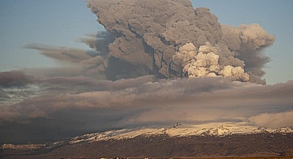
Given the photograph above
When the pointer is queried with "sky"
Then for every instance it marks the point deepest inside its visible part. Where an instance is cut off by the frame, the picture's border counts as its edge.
(61, 75)
(57, 23)
(62, 23)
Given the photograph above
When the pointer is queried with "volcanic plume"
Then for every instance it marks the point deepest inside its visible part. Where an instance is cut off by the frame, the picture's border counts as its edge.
(169, 38)
(155, 64)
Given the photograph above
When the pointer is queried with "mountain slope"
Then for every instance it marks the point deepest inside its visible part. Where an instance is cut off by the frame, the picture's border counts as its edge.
(177, 141)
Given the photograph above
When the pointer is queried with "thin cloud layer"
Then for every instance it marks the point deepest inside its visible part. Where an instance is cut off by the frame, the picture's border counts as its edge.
(144, 101)
(274, 120)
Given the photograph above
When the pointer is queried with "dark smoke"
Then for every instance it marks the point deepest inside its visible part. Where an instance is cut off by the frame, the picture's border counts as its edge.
(145, 37)
(14, 79)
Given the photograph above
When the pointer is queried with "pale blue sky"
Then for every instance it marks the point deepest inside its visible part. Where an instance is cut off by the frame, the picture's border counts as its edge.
(63, 22)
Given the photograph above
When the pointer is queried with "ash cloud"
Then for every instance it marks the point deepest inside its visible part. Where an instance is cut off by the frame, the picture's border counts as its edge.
(148, 35)
(150, 38)
(159, 62)
(70, 106)
(14, 79)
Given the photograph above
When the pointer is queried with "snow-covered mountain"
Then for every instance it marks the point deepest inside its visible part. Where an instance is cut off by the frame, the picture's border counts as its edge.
(180, 130)
(177, 130)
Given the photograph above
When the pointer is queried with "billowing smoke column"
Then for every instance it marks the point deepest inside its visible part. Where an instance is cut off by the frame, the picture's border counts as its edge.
(170, 38)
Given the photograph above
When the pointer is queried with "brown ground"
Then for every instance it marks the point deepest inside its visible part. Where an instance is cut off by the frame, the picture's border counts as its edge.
(258, 146)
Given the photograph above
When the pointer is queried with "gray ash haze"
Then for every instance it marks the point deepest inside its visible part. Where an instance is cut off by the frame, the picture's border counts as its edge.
(158, 62)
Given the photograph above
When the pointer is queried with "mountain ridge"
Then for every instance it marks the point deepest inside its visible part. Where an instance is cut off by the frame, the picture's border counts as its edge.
(177, 130)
